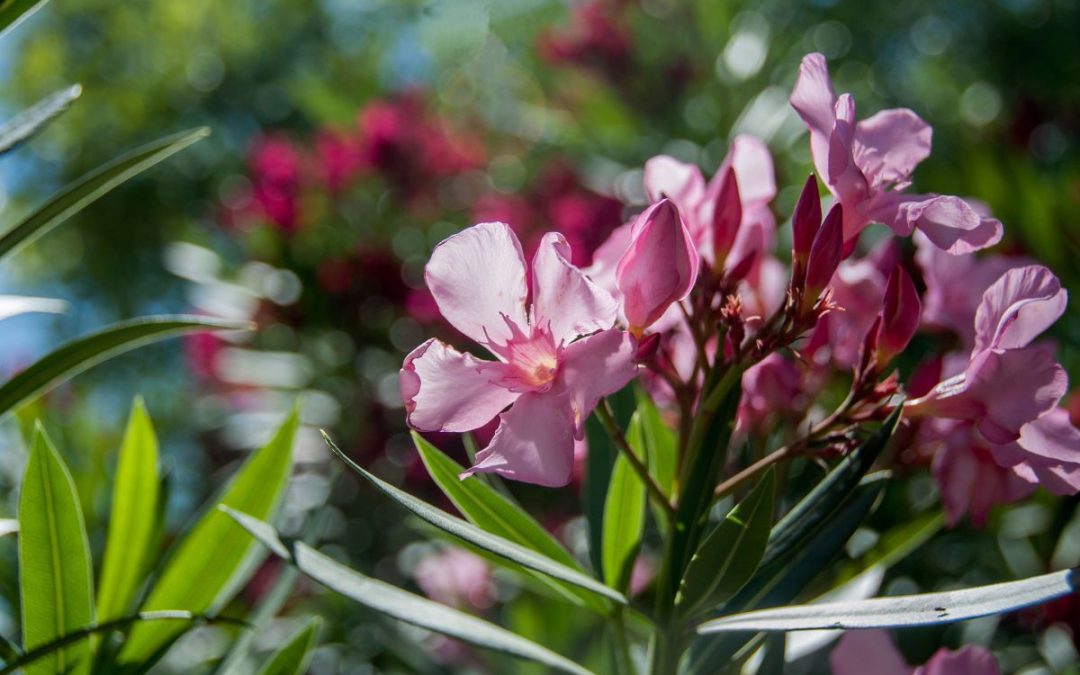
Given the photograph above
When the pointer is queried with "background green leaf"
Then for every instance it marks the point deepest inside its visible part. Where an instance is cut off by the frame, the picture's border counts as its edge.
(399, 604)
(292, 659)
(210, 560)
(624, 513)
(133, 518)
(55, 585)
(14, 12)
(28, 122)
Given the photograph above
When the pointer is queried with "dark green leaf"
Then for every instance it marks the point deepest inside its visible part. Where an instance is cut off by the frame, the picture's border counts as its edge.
(660, 444)
(87, 189)
(14, 12)
(292, 659)
(893, 546)
(133, 518)
(926, 609)
(599, 463)
(30, 121)
(54, 561)
(85, 352)
(399, 604)
(730, 554)
(624, 514)
(212, 559)
(493, 543)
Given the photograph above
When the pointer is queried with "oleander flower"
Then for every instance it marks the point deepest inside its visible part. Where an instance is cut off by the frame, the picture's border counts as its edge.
(456, 577)
(868, 165)
(557, 352)
(873, 651)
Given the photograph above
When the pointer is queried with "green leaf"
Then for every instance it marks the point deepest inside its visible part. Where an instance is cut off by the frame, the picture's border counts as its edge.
(730, 554)
(30, 121)
(467, 532)
(926, 609)
(76, 637)
(54, 560)
(89, 350)
(660, 442)
(212, 560)
(399, 604)
(14, 12)
(486, 508)
(133, 518)
(893, 546)
(814, 509)
(88, 188)
(624, 514)
(292, 659)
(599, 463)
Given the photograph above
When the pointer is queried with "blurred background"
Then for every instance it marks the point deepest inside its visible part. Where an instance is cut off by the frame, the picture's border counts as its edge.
(351, 136)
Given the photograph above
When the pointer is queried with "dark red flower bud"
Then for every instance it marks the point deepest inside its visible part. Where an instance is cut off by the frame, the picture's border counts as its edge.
(900, 316)
(805, 223)
(825, 253)
(647, 347)
(727, 216)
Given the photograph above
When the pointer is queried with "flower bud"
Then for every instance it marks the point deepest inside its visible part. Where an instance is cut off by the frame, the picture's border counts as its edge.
(825, 253)
(659, 268)
(805, 223)
(647, 347)
(727, 216)
(900, 316)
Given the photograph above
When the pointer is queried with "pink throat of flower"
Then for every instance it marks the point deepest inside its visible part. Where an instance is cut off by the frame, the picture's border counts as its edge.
(534, 360)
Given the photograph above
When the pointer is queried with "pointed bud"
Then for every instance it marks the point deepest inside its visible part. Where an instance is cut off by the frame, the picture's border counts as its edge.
(825, 253)
(900, 316)
(868, 363)
(740, 269)
(805, 223)
(727, 216)
(647, 347)
(659, 268)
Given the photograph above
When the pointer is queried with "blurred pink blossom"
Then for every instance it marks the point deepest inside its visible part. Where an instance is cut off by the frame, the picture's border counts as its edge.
(873, 651)
(275, 165)
(457, 578)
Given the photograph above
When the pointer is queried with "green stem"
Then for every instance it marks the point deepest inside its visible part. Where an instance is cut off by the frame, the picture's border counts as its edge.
(603, 413)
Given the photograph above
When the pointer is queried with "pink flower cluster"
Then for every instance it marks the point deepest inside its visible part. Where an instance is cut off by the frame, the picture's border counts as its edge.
(693, 283)
(858, 649)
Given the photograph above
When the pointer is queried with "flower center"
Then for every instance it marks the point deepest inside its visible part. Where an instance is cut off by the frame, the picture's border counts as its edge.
(535, 361)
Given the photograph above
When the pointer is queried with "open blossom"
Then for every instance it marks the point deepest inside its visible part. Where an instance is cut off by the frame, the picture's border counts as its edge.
(873, 651)
(557, 355)
(1007, 382)
(868, 164)
(457, 578)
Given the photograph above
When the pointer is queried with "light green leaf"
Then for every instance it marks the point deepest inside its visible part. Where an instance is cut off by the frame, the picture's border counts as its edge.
(926, 609)
(87, 189)
(85, 352)
(660, 443)
(133, 518)
(893, 546)
(624, 514)
(55, 585)
(399, 604)
(492, 543)
(30, 121)
(212, 559)
(292, 659)
(14, 12)
(730, 554)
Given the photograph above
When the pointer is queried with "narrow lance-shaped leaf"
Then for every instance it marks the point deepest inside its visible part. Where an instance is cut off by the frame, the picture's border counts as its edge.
(483, 539)
(211, 560)
(88, 188)
(486, 508)
(87, 351)
(624, 513)
(14, 12)
(292, 659)
(30, 121)
(730, 554)
(399, 604)
(55, 585)
(660, 441)
(599, 463)
(133, 518)
(892, 546)
(925, 609)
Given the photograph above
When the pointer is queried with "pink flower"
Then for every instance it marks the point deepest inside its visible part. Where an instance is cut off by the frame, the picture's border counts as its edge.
(873, 651)
(275, 173)
(457, 578)
(1006, 383)
(770, 388)
(551, 379)
(659, 268)
(868, 164)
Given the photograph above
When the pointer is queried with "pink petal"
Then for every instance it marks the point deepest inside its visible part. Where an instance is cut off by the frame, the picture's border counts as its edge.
(594, 367)
(680, 182)
(1013, 388)
(659, 268)
(949, 222)
(970, 478)
(446, 390)
(971, 660)
(477, 277)
(815, 101)
(534, 442)
(890, 144)
(607, 256)
(564, 299)
(1019, 306)
(867, 651)
(753, 165)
